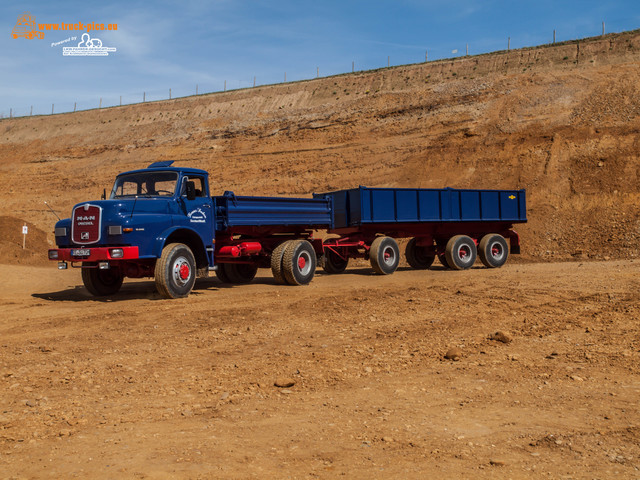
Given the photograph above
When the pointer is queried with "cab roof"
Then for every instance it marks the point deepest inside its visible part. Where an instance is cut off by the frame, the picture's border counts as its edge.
(165, 166)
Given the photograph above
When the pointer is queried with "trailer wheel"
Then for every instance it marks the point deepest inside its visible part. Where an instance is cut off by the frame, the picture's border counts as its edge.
(175, 271)
(461, 252)
(240, 272)
(417, 256)
(384, 255)
(276, 262)
(493, 250)
(443, 261)
(101, 282)
(334, 263)
(299, 262)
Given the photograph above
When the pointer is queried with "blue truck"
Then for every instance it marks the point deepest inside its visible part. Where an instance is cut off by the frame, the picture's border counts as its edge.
(162, 222)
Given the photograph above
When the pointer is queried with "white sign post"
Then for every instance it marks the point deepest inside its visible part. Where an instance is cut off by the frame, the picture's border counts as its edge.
(25, 230)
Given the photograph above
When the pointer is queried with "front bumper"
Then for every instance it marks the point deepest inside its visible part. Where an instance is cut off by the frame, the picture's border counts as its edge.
(95, 254)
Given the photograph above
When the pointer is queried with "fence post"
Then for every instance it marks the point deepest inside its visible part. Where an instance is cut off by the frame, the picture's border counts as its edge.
(196, 89)
(353, 66)
(554, 36)
(144, 97)
(52, 109)
(31, 113)
(74, 106)
(285, 77)
(120, 100)
(169, 94)
(317, 72)
(254, 81)
(508, 44)
(388, 60)
(603, 28)
(467, 49)
(100, 105)
(225, 85)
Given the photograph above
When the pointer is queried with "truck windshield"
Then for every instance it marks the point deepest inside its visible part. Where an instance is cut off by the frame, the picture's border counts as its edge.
(145, 184)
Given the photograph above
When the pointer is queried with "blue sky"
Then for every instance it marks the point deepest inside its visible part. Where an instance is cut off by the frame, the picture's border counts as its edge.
(181, 44)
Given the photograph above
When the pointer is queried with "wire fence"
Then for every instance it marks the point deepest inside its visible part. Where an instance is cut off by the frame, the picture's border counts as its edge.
(198, 89)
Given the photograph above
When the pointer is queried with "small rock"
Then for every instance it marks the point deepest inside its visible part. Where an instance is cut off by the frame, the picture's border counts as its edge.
(497, 463)
(286, 391)
(453, 354)
(577, 378)
(387, 439)
(30, 403)
(284, 383)
(368, 369)
(64, 433)
(224, 396)
(500, 337)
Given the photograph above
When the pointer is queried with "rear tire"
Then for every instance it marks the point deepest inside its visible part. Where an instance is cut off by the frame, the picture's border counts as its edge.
(384, 255)
(221, 273)
(417, 256)
(461, 252)
(333, 263)
(175, 271)
(493, 250)
(299, 263)
(100, 283)
(276, 262)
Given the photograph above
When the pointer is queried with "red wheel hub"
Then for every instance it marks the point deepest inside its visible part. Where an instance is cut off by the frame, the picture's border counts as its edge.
(301, 262)
(184, 271)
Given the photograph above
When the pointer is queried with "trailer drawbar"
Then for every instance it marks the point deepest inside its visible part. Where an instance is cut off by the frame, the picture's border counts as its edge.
(161, 222)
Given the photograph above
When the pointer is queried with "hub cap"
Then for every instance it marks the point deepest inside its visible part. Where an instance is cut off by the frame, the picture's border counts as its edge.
(464, 253)
(389, 256)
(497, 252)
(304, 263)
(181, 271)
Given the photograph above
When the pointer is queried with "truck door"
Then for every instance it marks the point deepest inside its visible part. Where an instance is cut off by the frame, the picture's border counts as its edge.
(199, 212)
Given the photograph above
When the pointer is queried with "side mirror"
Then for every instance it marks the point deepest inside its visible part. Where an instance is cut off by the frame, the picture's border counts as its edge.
(191, 190)
(104, 194)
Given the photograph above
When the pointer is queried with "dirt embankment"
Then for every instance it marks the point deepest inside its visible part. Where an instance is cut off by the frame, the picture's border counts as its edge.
(561, 121)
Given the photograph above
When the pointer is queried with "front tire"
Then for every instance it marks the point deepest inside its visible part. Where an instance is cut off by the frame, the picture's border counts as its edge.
(384, 255)
(175, 271)
(461, 252)
(100, 283)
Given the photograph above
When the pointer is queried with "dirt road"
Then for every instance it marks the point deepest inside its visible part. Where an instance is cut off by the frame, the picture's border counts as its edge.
(140, 387)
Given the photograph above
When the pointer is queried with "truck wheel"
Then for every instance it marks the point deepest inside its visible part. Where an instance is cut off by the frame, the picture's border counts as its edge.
(461, 252)
(276, 262)
(417, 256)
(333, 263)
(384, 255)
(299, 262)
(240, 272)
(101, 282)
(493, 250)
(222, 274)
(175, 271)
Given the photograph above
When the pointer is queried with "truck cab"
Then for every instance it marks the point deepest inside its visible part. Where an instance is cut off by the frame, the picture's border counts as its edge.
(124, 235)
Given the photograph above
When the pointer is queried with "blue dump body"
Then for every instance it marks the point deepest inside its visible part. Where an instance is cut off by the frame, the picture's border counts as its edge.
(364, 205)
(233, 211)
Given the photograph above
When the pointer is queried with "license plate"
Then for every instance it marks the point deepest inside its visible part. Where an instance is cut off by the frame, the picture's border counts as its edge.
(81, 252)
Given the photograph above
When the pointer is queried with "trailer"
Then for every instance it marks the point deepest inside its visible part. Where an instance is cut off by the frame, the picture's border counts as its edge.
(161, 222)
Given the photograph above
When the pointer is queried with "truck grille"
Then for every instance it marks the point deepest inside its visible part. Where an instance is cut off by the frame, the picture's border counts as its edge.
(86, 224)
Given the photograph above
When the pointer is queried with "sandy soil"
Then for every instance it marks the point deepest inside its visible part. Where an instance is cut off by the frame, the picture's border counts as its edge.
(140, 387)
(135, 386)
